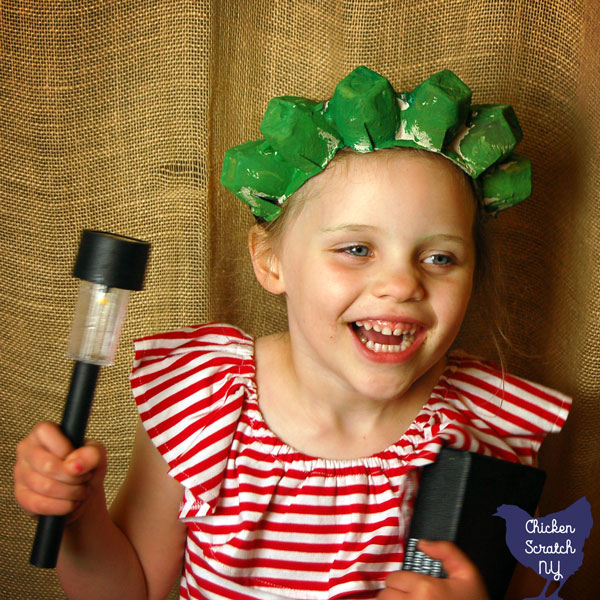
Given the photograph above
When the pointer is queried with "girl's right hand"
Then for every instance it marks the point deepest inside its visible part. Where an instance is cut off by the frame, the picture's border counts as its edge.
(52, 478)
(464, 581)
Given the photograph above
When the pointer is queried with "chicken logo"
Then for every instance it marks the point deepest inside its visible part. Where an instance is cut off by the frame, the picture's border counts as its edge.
(552, 545)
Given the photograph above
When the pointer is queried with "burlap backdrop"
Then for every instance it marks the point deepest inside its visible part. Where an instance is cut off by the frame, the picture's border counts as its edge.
(115, 116)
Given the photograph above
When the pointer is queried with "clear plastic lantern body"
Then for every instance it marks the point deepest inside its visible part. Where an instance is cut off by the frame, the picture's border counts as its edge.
(99, 316)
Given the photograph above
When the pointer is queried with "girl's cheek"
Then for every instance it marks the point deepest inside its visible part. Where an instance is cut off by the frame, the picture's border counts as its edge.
(336, 272)
(342, 264)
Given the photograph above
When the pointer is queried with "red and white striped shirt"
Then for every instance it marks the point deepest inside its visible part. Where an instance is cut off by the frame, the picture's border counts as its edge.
(267, 522)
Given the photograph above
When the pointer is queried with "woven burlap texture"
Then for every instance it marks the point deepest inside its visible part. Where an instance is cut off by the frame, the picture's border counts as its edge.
(115, 116)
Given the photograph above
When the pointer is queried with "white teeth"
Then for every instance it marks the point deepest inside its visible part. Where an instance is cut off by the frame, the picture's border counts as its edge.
(376, 347)
(408, 336)
(396, 330)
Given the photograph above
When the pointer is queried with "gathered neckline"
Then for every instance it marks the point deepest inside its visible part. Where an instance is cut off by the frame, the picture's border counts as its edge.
(426, 418)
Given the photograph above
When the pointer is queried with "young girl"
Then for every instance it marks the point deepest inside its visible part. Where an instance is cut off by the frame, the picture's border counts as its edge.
(287, 466)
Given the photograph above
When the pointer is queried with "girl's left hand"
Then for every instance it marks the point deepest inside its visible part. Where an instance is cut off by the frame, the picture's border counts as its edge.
(463, 582)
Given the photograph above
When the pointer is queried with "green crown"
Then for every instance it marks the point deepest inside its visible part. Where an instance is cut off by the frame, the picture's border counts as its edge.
(365, 113)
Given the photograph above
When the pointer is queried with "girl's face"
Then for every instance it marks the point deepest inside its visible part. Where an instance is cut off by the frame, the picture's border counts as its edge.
(377, 269)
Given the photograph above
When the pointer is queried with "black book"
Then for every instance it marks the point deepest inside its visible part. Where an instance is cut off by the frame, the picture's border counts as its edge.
(457, 498)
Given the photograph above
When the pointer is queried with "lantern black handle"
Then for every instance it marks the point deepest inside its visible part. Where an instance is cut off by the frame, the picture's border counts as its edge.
(74, 423)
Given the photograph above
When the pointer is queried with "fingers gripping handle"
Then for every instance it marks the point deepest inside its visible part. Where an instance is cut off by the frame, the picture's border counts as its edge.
(74, 423)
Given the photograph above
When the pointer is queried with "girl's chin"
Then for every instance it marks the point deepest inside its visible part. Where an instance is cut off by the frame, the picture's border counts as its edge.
(388, 357)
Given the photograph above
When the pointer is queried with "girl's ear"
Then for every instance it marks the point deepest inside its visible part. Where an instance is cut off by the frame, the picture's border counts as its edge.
(267, 267)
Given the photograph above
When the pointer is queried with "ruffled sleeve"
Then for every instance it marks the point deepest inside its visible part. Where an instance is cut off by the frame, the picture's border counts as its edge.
(479, 408)
(189, 386)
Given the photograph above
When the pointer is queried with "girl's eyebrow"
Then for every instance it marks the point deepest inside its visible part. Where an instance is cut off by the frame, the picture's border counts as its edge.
(347, 227)
(357, 227)
(443, 237)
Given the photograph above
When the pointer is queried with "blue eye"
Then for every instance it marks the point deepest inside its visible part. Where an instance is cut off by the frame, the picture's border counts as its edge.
(358, 250)
(439, 260)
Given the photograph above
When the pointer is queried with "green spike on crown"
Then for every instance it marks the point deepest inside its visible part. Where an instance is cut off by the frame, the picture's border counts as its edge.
(365, 113)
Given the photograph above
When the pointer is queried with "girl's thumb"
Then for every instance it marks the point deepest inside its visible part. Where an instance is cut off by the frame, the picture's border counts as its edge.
(86, 459)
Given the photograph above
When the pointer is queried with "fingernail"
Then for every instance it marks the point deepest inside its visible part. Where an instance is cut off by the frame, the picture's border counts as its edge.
(76, 466)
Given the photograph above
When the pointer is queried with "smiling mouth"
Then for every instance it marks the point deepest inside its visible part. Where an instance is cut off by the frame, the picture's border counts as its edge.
(386, 336)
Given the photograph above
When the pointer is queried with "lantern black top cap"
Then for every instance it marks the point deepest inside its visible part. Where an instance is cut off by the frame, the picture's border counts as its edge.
(111, 260)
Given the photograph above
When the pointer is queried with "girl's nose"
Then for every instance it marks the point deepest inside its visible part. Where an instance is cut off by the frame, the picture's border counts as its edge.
(401, 284)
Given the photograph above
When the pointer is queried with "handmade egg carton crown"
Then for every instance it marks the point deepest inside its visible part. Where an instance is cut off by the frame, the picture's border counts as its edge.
(365, 113)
